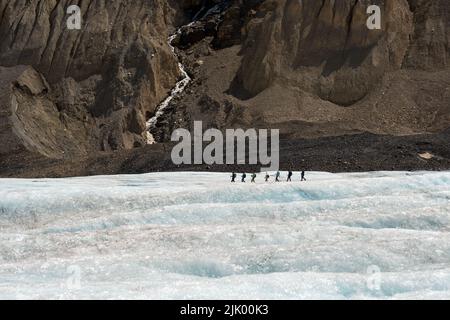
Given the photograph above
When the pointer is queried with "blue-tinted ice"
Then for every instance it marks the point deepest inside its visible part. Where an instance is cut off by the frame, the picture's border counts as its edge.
(196, 235)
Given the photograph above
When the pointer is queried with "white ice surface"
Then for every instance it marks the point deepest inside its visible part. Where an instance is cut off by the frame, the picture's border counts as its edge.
(196, 235)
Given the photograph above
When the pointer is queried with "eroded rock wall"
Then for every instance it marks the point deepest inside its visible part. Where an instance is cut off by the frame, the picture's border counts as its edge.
(113, 72)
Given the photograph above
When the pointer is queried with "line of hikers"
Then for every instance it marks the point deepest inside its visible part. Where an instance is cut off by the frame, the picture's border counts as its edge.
(267, 177)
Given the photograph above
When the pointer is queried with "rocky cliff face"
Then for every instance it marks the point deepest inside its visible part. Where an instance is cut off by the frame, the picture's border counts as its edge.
(311, 68)
(30, 119)
(328, 42)
(324, 47)
(101, 81)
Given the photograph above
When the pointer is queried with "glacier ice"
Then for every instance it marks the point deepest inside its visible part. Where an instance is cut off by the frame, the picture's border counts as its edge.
(197, 236)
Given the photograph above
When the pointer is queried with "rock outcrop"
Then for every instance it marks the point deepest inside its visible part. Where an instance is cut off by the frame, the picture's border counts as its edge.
(314, 68)
(29, 120)
(324, 47)
(113, 72)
